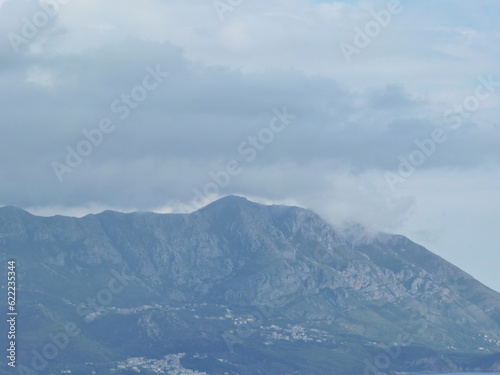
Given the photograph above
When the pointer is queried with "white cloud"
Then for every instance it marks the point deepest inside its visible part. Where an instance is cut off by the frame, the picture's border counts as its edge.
(39, 76)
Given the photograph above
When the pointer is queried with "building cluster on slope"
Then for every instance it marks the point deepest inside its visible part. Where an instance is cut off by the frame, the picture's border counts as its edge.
(170, 364)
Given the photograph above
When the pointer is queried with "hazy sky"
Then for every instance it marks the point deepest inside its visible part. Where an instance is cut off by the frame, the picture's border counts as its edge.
(383, 113)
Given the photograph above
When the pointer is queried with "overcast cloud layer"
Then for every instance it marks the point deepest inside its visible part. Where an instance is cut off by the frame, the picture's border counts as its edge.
(334, 131)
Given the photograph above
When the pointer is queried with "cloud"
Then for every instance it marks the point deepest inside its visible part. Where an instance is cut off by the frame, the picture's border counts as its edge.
(225, 79)
(194, 122)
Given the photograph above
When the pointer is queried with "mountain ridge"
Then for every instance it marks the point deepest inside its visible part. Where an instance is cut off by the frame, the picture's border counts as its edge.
(193, 280)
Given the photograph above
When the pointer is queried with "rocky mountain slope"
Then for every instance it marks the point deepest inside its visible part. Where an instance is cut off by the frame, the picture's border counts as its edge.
(238, 288)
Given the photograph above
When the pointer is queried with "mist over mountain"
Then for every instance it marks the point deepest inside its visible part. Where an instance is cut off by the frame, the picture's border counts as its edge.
(239, 288)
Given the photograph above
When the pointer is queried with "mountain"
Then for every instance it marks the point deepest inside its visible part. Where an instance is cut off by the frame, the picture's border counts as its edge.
(237, 288)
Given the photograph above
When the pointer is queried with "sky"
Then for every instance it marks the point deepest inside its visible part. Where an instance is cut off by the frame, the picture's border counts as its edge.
(381, 113)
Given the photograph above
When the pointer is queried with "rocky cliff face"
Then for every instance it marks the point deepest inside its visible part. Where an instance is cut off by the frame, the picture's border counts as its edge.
(241, 288)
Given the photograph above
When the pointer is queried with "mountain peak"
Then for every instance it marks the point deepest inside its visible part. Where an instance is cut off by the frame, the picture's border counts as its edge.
(229, 201)
(13, 210)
